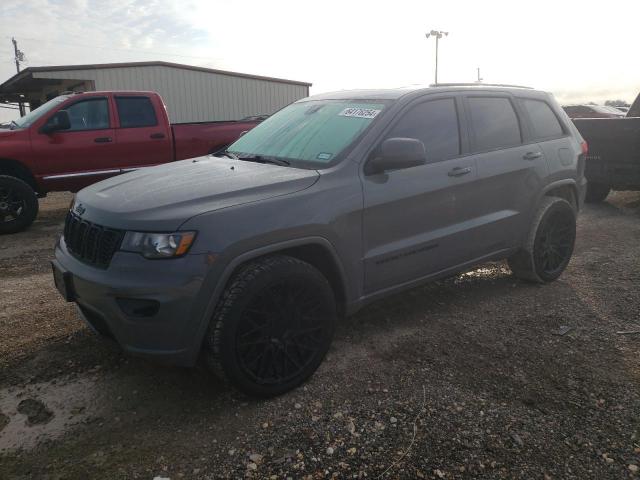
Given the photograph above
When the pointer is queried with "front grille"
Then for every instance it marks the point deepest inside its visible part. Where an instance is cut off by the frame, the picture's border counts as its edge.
(89, 242)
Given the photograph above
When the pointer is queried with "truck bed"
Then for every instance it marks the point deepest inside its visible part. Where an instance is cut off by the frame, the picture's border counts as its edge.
(614, 151)
(191, 139)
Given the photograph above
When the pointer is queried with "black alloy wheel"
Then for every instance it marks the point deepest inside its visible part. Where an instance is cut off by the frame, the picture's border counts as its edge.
(281, 332)
(554, 243)
(18, 205)
(272, 327)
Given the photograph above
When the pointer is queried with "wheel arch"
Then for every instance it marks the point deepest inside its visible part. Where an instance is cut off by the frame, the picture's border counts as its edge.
(566, 189)
(15, 168)
(317, 251)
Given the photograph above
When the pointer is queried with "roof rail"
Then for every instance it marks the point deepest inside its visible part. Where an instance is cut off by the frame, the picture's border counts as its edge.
(476, 84)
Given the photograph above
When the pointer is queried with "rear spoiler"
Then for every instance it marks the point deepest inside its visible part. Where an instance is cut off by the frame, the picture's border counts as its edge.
(634, 111)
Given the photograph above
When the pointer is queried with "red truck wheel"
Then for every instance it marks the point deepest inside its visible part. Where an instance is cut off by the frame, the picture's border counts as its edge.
(18, 205)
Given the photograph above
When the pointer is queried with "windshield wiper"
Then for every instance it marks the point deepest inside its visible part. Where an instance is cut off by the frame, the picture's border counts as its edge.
(225, 153)
(264, 159)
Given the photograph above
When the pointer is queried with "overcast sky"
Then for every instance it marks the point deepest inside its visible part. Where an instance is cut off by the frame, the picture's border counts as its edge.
(579, 50)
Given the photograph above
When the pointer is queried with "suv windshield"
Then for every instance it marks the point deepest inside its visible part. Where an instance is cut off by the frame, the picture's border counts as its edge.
(311, 133)
(32, 116)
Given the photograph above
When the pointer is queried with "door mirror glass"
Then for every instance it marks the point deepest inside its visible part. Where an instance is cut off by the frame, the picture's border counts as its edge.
(59, 121)
(397, 154)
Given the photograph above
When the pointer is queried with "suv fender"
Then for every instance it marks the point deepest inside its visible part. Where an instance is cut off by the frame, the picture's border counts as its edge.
(340, 283)
(566, 188)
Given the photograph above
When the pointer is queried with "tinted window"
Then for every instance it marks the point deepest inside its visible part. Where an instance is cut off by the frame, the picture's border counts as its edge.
(544, 121)
(89, 114)
(435, 123)
(494, 122)
(136, 112)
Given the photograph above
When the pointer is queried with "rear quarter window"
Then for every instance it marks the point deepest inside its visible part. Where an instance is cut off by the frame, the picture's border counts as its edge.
(494, 122)
(544, 122)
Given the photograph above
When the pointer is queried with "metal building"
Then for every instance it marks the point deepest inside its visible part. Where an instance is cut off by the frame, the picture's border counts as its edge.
(192, 94)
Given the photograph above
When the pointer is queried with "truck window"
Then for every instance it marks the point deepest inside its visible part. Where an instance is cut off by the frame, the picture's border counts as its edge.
(136, 112)
(494, 122)
(89, 114)
(544, 121)
(435, 123)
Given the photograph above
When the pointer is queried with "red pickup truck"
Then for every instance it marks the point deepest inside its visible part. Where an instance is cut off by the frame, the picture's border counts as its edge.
(78, 139)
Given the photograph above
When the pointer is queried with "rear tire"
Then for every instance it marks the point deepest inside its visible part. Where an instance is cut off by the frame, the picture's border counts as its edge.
(272, 327)
(597, 192)
(18, 205)
(548, 248)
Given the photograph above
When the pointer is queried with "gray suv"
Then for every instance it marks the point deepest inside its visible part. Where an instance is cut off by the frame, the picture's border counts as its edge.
(248, 258)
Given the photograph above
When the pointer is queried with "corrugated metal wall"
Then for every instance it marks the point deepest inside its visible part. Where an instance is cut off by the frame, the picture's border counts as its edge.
(194, 96)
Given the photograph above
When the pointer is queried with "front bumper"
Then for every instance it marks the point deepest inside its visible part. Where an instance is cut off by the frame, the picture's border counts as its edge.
(168, 328)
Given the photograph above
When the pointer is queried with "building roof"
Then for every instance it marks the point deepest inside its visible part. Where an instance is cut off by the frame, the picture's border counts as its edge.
(6, 87)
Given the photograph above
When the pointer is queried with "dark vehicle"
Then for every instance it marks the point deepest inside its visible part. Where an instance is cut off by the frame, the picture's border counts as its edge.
(250, 258)
(592, 111)
(78, 139)
(613, 161)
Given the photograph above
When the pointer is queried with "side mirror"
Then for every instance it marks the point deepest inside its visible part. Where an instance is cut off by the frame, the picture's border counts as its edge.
(59, 121)
(397, 154)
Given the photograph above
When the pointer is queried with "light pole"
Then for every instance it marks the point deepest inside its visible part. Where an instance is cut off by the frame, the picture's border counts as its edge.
(438, 34)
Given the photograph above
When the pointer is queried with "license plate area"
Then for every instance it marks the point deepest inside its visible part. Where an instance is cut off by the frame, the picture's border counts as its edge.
(63, 281)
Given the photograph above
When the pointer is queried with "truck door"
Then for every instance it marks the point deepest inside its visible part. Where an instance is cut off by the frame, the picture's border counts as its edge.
(412, 225)
(74, 158)
(143, 136)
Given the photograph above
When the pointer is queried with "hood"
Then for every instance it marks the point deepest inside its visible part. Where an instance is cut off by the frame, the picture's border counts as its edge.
(162, 198)
(6, 132)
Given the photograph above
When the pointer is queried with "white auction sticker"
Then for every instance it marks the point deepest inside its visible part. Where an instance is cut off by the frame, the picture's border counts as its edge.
(359, 112)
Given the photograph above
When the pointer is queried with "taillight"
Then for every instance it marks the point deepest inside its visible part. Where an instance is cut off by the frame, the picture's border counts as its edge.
(585, 147)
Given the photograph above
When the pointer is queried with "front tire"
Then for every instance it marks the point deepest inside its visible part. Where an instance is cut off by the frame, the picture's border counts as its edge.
(272, 327)
(18, 205)
(597, 192)
(549, 246)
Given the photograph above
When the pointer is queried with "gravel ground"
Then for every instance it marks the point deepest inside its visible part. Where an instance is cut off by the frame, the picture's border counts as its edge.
(478, 376)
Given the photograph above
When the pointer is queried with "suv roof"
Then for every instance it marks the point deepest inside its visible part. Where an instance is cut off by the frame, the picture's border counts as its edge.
(396, 93)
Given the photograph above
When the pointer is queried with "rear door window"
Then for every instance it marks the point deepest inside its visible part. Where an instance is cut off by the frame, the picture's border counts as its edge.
(494, 122)
(136, 112)
(435, 123)
(90, 114)
(544, 122)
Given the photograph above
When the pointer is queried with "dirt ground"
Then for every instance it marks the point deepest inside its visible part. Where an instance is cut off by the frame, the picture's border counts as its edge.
(478, 376)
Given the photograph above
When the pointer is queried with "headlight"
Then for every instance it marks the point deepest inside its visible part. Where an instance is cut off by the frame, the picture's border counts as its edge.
(158, 245)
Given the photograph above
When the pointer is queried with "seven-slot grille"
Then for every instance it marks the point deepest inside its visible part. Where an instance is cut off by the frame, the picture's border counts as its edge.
(89, 242)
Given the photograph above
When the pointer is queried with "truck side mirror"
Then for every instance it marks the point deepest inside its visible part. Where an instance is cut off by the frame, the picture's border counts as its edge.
(59, 121)
(396, 154)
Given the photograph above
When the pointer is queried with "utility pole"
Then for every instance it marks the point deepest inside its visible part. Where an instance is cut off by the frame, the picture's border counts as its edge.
(479, 77)
(438, 34)
(19, 57)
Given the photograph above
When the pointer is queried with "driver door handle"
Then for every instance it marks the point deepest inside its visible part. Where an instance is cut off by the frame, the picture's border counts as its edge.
(102, 140)
(459, 171)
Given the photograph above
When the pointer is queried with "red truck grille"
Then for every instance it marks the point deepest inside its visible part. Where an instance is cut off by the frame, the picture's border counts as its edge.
(91, 243)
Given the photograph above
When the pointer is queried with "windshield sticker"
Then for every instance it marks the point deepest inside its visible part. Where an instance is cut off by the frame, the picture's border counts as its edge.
(359, 112)
(324, 156)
